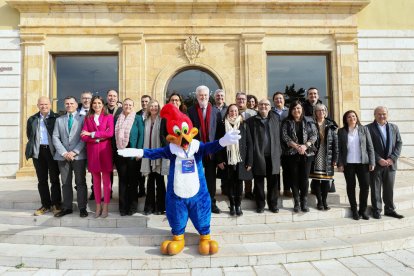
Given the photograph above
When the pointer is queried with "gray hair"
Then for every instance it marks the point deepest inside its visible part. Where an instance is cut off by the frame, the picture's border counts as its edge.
(86, 92)
(202, 88)
(218, 91)
(380, 107)
(320, 106)
(241, 94)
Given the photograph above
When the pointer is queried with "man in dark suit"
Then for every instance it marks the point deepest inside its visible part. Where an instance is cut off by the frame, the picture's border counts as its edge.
(204, 117)
(387, 146)
(40, 148)
(71, 157)
(85, 103)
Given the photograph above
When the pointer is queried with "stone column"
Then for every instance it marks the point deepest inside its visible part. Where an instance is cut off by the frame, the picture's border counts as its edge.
(253, 65)
(346, 84)
(34, 85)
(132, 67)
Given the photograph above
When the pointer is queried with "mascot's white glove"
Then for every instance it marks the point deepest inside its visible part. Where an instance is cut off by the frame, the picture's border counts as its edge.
(232, 137)
(131, 152)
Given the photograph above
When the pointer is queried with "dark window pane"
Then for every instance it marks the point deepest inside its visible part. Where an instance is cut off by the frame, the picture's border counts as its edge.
(75, 74)
(303, 71)
(185, 83)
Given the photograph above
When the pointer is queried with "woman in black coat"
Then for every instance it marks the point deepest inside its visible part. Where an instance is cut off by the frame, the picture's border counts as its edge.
(322, 170)
(235, 161)
(299, 136)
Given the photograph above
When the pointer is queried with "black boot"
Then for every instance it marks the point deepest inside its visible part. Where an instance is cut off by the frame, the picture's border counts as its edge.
(304, 205)
(355, 214)
(232, 206)
(239, 211)
(325, 190)
(317, 190)
(296, 206)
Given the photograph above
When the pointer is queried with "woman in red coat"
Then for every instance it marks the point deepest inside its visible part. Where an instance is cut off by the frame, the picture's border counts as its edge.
(97, 131)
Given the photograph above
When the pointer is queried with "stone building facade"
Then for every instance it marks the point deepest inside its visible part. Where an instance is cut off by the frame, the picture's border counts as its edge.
(229, 39)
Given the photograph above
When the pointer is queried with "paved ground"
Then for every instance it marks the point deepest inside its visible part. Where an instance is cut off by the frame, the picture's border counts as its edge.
(399, 262)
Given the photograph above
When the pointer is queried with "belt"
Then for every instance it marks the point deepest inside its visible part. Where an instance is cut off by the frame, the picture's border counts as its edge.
(44, 146)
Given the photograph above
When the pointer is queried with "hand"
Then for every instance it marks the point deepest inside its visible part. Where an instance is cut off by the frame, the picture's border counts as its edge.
(85, 133)
(341, 168)
(221, 165)
(383, 163)
(371, 168)
(131, 152)
(230, 138)
(390, 162)
(301, 149)
(248, 168)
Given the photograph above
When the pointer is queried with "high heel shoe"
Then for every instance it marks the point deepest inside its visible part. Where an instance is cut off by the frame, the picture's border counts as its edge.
(104, 210)
(98, 211)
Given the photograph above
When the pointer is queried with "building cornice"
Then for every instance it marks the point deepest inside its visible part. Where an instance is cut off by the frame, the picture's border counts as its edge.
(189, 6)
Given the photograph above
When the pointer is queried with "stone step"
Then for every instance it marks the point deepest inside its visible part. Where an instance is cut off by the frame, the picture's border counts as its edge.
(229, 255)
(228, 234)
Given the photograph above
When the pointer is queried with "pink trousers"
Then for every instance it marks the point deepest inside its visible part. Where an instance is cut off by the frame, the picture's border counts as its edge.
(106, 181)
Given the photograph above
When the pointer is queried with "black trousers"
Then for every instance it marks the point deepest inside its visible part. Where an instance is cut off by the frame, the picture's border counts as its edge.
(141, 179)
(44, 166)
(210, 173)
(299, 169)
(155, 199)
(272, 184)
(234, 185)
(128, 171)
(361, 171)
(382, 177)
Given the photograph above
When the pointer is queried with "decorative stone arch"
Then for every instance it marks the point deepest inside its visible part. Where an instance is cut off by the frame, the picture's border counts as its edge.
(168, 72)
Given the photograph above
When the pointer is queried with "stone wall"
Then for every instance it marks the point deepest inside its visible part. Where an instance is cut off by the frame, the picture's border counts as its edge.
(10, 131)
(386, 65)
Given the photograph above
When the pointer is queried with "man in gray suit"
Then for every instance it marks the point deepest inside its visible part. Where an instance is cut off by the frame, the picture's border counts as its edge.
(387, 146)
(71, 157)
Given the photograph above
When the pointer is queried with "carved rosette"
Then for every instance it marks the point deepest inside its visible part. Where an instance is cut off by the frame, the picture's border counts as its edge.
(192, 48)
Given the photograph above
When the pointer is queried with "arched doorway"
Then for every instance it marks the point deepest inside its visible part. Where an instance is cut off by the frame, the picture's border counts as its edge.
(186, 80)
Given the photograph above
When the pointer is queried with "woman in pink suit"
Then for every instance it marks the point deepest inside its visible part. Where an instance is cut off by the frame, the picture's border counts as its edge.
(97, 131)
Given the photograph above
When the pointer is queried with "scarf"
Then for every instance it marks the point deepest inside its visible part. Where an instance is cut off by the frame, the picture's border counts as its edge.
(123, 129)
(233, 151)
(204, 124)
(148, 165)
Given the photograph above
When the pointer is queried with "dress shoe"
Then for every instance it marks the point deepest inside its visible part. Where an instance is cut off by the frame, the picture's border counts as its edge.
(83, 213)
(147, 212)
(123, 214)
(232, 210)
(319, 206)
(274, 210)
(296, 209)
(64, 212)
(355, 215)
(259, 210)
(376, 215)
(215, 209)
(131, 212)
(363, 215)
(393, 214)
(41, 211)
(326, 207)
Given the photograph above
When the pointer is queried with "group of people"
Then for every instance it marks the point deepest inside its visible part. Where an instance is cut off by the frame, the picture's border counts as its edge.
(301, 139)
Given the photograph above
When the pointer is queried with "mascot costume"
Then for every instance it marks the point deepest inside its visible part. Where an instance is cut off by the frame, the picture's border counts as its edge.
(187, 195)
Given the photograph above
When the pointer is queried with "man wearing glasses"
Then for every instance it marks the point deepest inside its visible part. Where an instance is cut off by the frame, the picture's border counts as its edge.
(241, 102)
(85, 103)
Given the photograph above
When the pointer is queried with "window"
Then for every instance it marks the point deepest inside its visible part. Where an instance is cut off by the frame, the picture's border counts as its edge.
(298, 72)
(186, 81)
(77, 73)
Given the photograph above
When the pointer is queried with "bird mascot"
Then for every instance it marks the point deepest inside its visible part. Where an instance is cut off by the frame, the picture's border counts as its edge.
(187, 195)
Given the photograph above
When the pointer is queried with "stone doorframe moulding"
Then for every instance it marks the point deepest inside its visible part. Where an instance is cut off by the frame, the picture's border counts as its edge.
(164, 77)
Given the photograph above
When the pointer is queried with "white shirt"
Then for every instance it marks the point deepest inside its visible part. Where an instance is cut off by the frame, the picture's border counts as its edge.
(96, 119)
(354, 149)
(383, 129)
(83, 111)
(43, 130)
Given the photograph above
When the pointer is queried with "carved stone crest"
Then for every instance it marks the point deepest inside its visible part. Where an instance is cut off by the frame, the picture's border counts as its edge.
(192, 48)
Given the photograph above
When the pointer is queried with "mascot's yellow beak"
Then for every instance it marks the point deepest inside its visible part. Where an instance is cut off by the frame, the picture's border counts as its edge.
(183, 140)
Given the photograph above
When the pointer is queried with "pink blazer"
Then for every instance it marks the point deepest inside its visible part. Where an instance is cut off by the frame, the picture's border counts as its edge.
(99, 148)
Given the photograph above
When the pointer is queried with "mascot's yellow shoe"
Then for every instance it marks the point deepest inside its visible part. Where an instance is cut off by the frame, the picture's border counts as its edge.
(173, 247)
(207, 246)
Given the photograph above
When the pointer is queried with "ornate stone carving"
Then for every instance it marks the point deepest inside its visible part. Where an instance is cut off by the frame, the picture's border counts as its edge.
(192, 48)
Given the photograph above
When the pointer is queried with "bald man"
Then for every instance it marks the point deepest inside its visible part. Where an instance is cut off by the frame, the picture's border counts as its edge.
(40, 148)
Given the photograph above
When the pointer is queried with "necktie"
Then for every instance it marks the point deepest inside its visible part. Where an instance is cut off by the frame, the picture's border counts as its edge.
(70, 121)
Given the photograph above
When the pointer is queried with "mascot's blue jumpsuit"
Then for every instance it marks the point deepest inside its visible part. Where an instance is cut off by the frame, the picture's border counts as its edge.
(187, 194)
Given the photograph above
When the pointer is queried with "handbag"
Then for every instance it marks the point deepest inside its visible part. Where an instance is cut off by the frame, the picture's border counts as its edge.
(332, 188)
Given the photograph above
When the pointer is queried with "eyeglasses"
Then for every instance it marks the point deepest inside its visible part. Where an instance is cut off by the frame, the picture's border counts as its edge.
(265, 104)
(241, 99)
